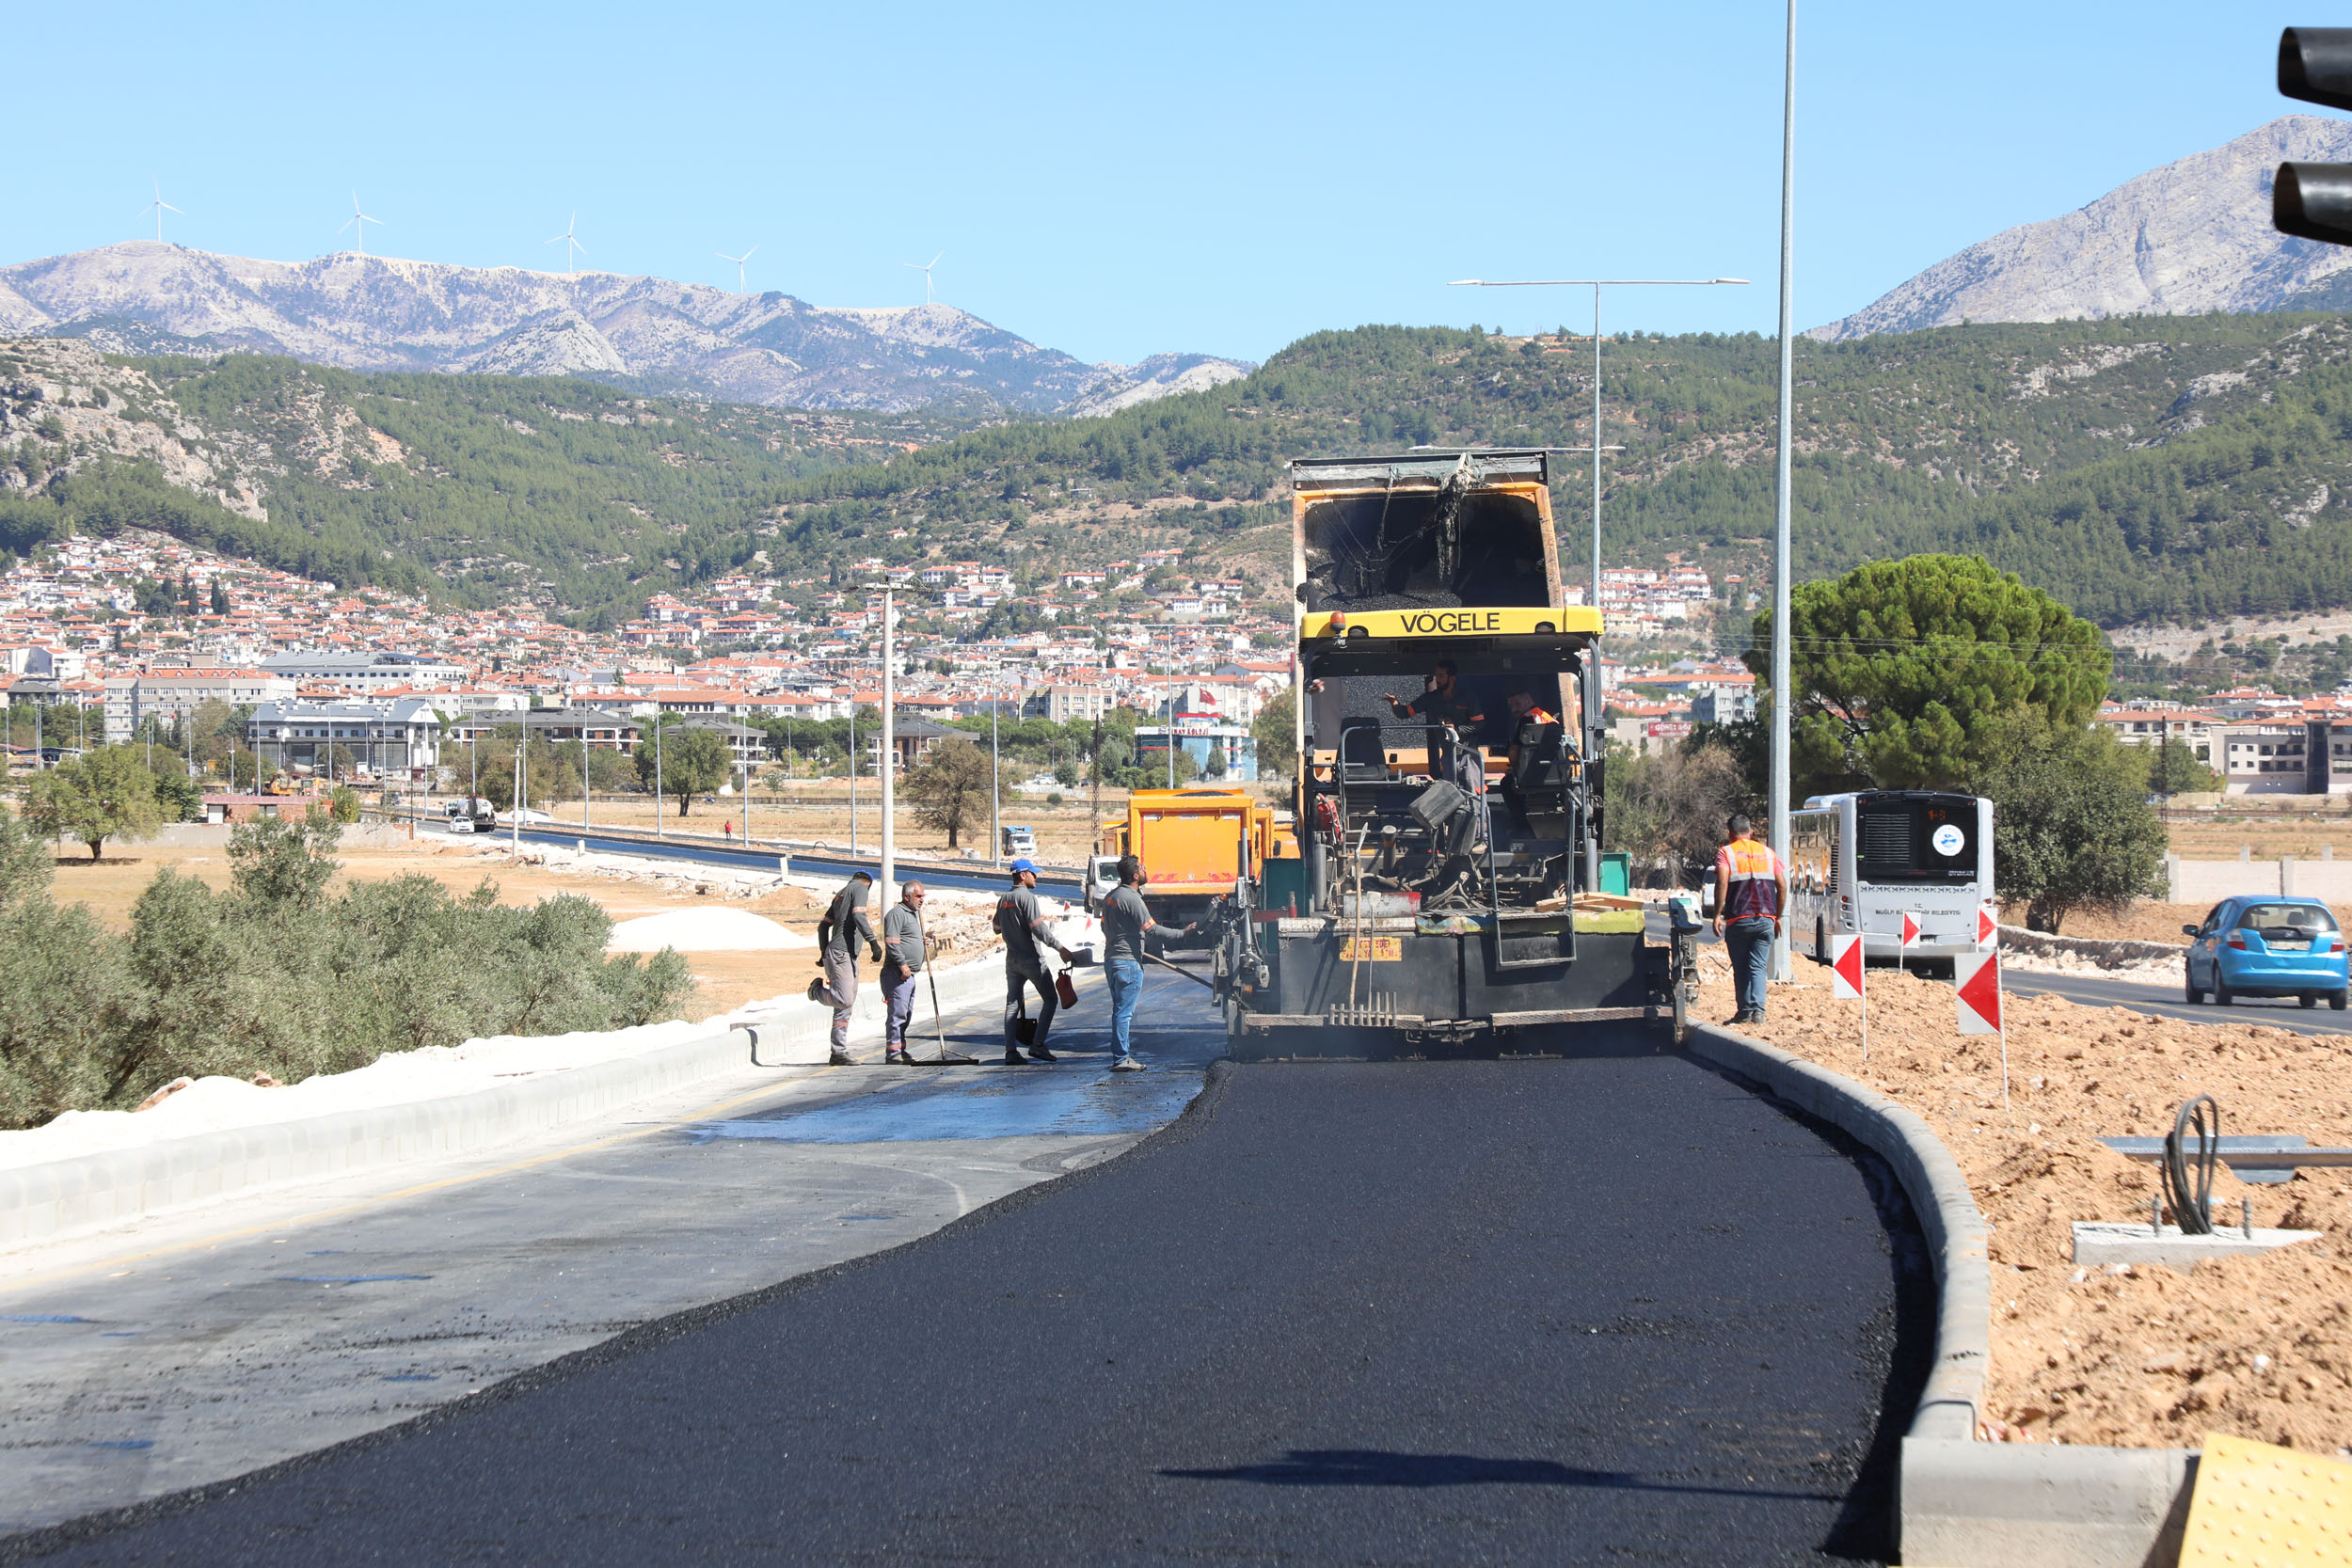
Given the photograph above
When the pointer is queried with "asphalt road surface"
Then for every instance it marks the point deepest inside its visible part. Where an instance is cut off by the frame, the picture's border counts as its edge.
(188, 1349)
(2169, 1001)
(1605, 1309)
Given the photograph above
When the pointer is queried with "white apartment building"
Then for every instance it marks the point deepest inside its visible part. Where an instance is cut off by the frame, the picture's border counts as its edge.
(383, 738)
(365, 672)
(167, 696)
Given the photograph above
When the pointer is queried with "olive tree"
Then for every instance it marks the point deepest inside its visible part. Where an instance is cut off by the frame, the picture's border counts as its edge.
(103, 794)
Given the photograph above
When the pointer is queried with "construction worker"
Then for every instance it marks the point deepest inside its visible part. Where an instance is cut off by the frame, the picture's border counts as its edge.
(1751, 893)
(1126, 921)
(1441, 705)
(1021, 922)
(904, 949)
(838, 936)
(1525, 710)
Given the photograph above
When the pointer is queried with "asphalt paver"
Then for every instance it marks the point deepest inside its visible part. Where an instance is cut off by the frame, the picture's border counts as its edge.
(1602, 1309)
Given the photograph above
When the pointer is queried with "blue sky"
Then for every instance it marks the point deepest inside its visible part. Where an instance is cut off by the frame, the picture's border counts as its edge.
(1114, 181)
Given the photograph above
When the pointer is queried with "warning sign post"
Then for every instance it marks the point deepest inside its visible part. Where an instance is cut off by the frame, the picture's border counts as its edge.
(1977, 984)
(1844, 982)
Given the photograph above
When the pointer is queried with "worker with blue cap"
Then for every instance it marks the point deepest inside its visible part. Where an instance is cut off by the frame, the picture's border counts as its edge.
(1021, 920)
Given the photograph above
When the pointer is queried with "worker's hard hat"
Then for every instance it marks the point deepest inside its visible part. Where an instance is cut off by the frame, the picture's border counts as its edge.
(1024, 865)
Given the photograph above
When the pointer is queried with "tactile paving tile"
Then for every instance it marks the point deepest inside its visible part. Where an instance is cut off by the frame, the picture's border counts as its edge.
(2256, 1506)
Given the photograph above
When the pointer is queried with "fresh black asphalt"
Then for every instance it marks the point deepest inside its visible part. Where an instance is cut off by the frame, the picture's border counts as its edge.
(1605, 1309)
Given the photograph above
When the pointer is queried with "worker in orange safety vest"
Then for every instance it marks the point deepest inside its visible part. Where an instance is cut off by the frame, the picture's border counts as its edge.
(1751, 894)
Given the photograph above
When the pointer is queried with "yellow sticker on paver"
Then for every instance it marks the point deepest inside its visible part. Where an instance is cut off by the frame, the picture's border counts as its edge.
(1373, 949)
(2257, 1506)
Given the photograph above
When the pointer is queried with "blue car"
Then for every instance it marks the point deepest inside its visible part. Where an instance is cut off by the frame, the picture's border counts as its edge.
(2269, 946)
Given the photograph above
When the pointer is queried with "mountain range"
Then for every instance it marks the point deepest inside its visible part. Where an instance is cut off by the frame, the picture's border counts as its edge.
(380, 313)
(2190, 237)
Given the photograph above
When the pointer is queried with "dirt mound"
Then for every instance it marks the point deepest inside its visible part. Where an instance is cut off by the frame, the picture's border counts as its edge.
(2258, 1347)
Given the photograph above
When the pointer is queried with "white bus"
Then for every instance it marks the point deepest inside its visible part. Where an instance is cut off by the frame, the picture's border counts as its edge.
(1857, 862)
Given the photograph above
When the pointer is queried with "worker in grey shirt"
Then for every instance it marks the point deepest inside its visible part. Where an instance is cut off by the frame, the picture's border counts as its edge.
(904, 949)
(1126, 921)
(1021, 921)
(838, 936)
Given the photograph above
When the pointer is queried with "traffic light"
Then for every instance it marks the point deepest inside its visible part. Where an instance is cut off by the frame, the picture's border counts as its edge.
(2314, 202)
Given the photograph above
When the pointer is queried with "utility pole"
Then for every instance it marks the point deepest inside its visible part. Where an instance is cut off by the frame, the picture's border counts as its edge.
(1782, 695)
(889, 761)
(853, 766)
(516, 835)
(995, 797)
(657, 832)
(583, 771)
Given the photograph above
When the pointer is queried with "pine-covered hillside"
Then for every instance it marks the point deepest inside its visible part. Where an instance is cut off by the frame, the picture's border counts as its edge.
(2147, 468)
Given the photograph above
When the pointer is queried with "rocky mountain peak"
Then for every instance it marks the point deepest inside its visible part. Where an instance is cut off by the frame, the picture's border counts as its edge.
(384, 313)
(2190, 237)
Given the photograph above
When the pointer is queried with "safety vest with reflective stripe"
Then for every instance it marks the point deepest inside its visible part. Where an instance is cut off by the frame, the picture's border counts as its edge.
(1750, 872)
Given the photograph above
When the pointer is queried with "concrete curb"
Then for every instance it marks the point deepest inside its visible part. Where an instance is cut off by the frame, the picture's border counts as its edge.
(2105, 953)
(64, 1197)
(1967, 1504)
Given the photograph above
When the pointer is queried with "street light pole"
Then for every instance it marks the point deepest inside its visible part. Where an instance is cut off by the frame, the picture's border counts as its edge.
(889, 761)
(1778, 802)
(1596, 284)
(1593, 687)
(996, 787)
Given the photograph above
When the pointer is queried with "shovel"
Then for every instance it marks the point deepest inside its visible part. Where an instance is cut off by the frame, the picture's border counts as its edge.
(944, 1059)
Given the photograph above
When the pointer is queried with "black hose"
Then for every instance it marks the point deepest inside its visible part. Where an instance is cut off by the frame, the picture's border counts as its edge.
(2192, 1207)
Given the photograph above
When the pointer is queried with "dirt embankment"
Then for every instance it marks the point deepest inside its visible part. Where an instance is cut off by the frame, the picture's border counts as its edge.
(2259, 1347)
(2144, 922)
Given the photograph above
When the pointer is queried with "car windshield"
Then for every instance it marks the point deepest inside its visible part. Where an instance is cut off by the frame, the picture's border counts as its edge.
(2286, 922)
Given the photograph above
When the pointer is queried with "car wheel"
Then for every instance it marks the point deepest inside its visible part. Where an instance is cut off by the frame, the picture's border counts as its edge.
(2337, 999)
(2309, 998)
(2222, 993)
(2195, 997)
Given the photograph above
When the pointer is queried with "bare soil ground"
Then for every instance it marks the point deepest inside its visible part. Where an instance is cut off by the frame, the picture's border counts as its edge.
(2258, 1347)
(2219, 835)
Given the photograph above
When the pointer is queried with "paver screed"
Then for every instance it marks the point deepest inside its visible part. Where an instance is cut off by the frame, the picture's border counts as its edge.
(1589, 1310)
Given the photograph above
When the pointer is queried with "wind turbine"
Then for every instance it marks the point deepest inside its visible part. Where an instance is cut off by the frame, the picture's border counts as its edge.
(926, 270)
(159, 207)
(362, 220)
(738, 261)
(569, 244)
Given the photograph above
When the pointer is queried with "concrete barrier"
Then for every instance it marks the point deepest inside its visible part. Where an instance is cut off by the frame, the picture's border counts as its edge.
(66, 1197)
(1964, 1503)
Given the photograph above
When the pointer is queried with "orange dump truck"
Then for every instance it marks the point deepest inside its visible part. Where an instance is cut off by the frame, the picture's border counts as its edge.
(1190, 842)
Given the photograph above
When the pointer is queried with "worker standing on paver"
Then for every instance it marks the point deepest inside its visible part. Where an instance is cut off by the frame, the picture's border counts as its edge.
(1021, 921)
(1751, 891)
(838, 936)
(904, 949)
(1126, 921)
